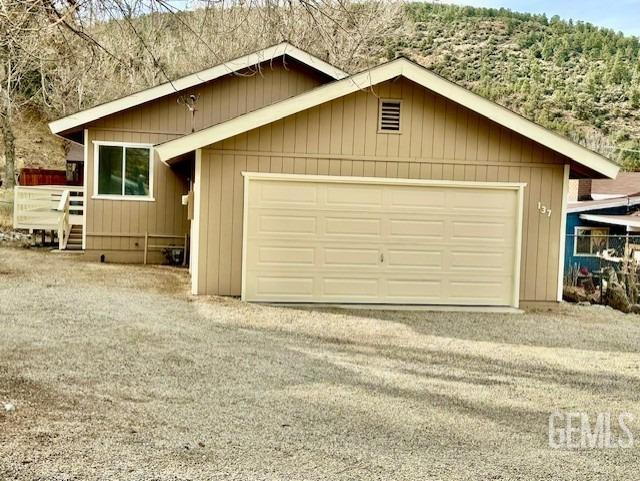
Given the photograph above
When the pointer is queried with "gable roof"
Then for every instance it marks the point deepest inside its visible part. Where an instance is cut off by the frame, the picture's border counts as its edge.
(395, 68)
(89, 115)
(626, 183)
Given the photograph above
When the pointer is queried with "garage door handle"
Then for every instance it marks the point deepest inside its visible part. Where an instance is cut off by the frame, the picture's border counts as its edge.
(381, 258)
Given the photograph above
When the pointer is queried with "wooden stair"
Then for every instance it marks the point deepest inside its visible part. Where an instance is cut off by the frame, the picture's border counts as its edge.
(75, 238)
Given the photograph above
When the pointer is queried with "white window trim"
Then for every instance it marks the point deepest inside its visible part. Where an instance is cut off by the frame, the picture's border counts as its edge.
(576, 232)
(392, 132)
(96, 160)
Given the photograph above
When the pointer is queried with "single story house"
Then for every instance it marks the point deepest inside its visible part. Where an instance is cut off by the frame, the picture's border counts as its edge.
(601, 215)
(305, 184)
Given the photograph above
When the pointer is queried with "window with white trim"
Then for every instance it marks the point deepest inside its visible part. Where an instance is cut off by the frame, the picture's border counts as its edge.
(590, 241)
(123, 171)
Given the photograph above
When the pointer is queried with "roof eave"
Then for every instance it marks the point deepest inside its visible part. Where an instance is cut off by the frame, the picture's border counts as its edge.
(494, 111)
(612, 220)
(618, 202)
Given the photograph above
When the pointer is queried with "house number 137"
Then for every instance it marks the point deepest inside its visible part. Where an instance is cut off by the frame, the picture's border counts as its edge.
(544, 210)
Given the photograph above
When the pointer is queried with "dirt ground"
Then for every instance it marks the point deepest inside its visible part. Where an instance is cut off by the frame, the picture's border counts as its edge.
(116, 372)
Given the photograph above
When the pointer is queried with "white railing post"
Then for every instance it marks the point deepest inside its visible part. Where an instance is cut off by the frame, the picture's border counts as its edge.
(63, 225)
(16, 193)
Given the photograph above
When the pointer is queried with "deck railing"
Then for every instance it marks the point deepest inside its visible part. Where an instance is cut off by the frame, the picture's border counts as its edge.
(64, 224)
(50, 207)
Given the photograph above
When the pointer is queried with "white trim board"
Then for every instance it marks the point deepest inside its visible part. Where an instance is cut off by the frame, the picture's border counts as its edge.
(395, 307)
(374, 76)
(563, 227)
(347, 179)
(89, 115)
(589, 205)
(622, 220)
(85, 194)
(195, 227)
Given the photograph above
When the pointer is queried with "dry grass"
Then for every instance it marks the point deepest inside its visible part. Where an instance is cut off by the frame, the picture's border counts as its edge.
(118, 373)
(36, 146)
(6, 209)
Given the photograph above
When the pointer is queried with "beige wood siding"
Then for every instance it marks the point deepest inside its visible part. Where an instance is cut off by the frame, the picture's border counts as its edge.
(439, 140)
(320, 239)
(116, 227)
(219, 100)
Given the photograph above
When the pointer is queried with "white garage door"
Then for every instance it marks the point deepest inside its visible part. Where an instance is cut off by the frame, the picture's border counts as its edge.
(388, 241)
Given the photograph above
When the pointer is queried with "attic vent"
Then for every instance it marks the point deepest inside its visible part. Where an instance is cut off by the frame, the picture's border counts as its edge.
(389, 120)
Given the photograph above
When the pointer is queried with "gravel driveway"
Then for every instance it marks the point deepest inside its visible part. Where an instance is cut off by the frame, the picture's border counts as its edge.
(116, 372)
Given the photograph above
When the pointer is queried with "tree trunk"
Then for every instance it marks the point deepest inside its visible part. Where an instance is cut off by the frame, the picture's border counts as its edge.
(9, 141)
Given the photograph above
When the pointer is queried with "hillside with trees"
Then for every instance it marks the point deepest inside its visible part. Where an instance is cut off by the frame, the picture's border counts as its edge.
(578, 79)
(573, 77)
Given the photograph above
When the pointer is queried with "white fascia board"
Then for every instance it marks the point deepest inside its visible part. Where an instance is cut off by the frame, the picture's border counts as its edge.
(628, 221)
(168, 88)
(510, 120)
(395, 68)
(626, 201)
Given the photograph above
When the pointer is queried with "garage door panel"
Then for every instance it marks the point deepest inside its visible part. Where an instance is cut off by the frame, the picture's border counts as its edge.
(472, 292)
(413, 258)
(481, 261)
(478, 231)
(350, 287)
(349, 242)
(353, 196)
(352, 226)
(286, 224)
(415, 290)
(273, 194)
(350, 257)
(274, 256)
(487, 203)
(412, 199)
(278, 285)
(416, 229)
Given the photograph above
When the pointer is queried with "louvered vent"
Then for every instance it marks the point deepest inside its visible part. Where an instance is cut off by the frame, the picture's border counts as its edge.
(389, 116)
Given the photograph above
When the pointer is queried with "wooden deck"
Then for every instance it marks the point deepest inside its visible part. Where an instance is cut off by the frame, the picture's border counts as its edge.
(49, 208)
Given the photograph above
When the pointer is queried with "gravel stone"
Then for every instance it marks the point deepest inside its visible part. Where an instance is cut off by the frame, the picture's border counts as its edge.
(120, 374)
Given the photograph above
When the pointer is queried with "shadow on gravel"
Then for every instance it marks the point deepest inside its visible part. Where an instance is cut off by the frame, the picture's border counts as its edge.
(484, 371)
(543, 329)
(30, 398)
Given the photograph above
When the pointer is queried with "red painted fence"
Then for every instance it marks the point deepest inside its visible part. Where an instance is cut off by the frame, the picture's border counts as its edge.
(42, 177)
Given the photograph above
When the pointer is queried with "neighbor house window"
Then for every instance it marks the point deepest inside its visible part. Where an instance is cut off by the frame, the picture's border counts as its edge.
(591, 240)
(123, 171)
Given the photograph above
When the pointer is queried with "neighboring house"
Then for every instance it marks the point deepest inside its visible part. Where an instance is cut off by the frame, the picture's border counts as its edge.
(601, 214)
(391, 186)
(72, 175)
(625, 184)
(75, 164)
